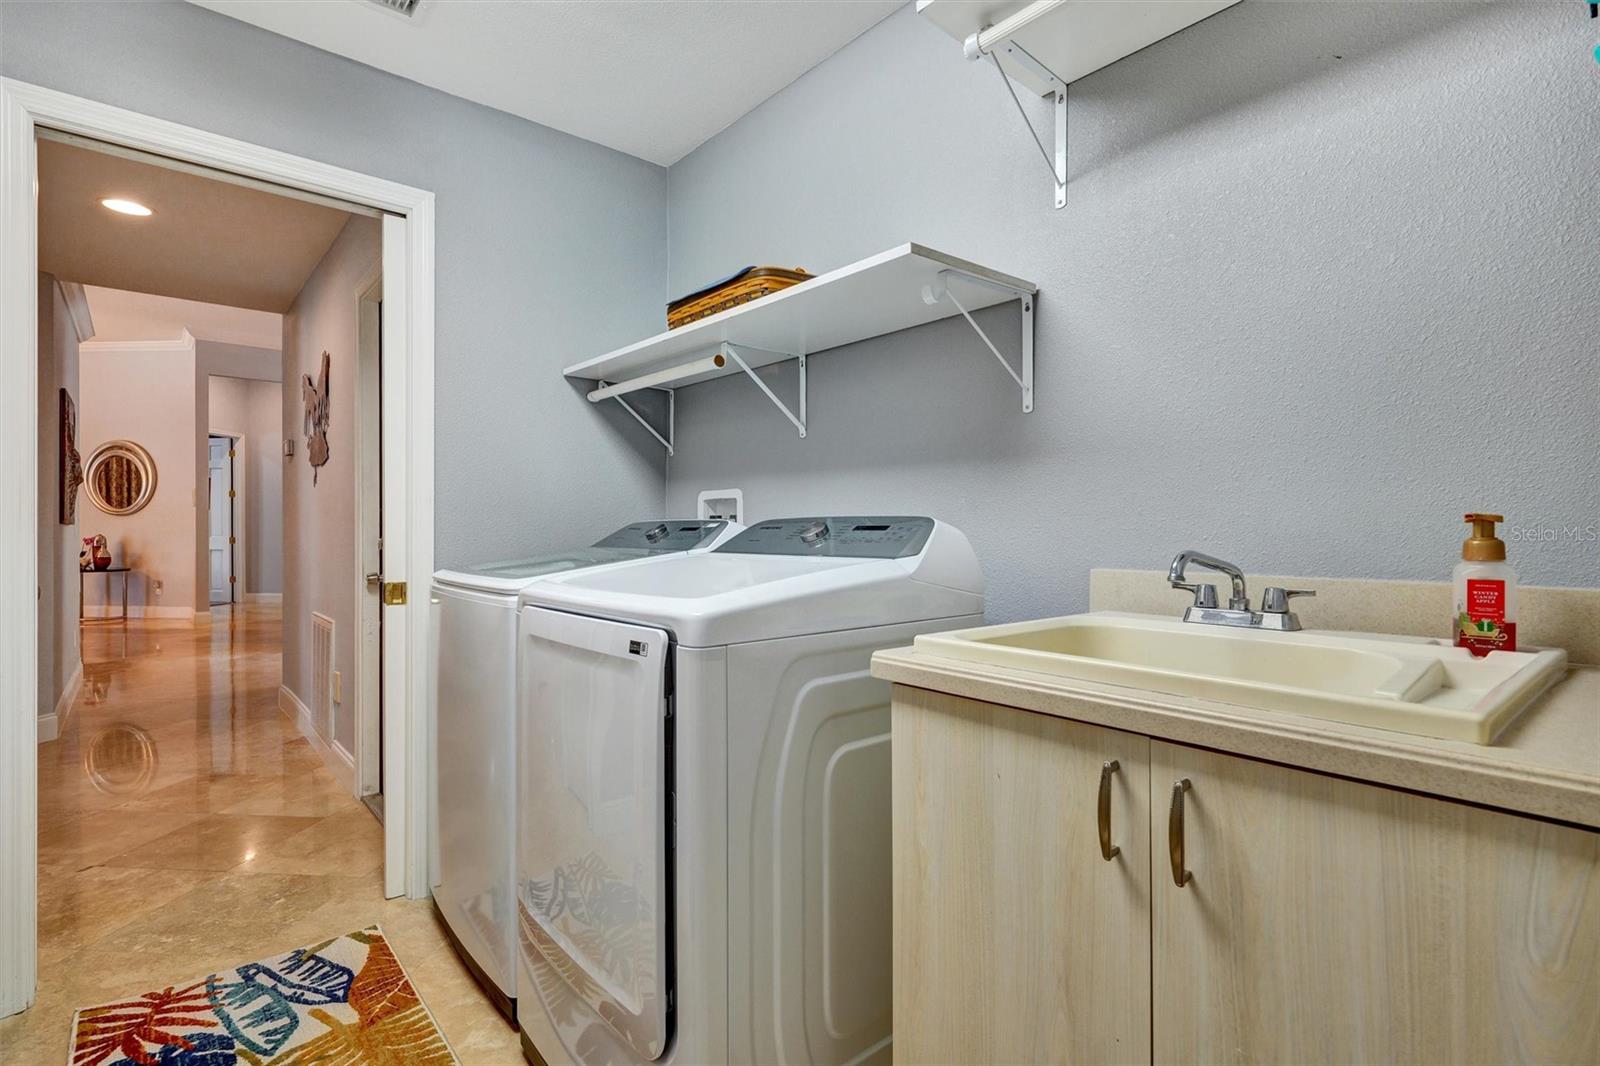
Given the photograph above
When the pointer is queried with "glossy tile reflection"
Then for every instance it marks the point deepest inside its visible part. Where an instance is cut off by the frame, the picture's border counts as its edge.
(185, 826)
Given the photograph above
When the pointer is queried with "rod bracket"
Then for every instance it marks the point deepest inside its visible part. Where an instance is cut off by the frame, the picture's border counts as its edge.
(939, 290)
(799, 421)
(670, 439)
(1055, 161)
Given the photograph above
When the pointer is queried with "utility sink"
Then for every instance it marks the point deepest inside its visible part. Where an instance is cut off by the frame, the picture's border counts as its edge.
(1408, 684)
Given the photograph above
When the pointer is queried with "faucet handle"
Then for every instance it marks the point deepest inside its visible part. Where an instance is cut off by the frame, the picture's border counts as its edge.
(1205, 596)
(1276, 600)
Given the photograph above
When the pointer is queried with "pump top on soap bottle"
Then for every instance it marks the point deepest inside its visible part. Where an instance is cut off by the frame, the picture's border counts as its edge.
(1485, 591)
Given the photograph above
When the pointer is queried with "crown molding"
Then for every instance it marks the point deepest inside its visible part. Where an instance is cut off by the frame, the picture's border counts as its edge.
(77, 302)
(182, 343)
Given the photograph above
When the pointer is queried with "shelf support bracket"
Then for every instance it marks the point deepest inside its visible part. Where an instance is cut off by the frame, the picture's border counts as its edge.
(668, 441)
(800, 360)
(932, 294)
(1056, 162)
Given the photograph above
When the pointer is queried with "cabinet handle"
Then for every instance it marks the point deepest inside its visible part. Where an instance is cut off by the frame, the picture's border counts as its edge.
(1180, 876)
(1108, 850)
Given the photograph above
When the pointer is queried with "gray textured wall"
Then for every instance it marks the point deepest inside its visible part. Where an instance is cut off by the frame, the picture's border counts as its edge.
(1327, 278)
(549, 247)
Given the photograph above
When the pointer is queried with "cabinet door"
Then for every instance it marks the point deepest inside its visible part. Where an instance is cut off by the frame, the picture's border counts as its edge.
(1328, 921)
(1014, 940)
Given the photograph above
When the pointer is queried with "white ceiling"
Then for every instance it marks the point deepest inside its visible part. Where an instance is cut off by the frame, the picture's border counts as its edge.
(652, 78)
(136, 316)
(209, 240)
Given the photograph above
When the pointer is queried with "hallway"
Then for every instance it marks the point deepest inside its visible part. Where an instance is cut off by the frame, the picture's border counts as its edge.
(186, 826)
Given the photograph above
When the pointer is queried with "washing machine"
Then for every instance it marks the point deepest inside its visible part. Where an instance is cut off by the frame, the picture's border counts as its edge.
(703, 861)
(472, 786)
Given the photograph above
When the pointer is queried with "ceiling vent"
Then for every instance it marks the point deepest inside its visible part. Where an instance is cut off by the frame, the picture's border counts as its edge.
(408, 8)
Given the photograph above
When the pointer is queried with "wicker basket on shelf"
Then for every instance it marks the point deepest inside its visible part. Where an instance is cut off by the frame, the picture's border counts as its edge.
(751, 283)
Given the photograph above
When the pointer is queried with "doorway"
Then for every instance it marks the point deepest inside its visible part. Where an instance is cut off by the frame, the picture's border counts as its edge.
(221, 542)
(407, 390)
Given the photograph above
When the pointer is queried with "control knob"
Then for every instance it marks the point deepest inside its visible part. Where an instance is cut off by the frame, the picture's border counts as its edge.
(815, 533)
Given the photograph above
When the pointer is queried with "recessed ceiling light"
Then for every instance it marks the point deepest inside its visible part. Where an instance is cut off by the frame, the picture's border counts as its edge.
(127, 207)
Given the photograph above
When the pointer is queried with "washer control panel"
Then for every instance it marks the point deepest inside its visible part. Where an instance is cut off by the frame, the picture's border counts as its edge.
(664, 535)
(850, 536)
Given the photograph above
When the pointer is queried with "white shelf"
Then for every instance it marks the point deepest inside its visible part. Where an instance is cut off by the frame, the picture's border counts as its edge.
(1078, 37)
(866, 299)
(906, 286)
(1048, 44)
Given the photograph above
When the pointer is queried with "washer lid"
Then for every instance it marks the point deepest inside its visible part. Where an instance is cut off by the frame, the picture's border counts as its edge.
(512, 575)
(731, 597)
(636, 540)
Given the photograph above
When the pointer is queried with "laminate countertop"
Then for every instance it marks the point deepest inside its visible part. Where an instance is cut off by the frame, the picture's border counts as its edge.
(1546, 764)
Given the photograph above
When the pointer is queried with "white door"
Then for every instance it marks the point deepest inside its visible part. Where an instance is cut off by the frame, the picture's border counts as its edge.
(594, 848)
(220, 504)
(369, 541)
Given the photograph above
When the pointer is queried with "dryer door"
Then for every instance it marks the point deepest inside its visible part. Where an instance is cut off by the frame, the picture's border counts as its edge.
(593, 850)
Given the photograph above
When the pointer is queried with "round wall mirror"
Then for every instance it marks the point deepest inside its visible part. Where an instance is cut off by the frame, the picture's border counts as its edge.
(120, 477)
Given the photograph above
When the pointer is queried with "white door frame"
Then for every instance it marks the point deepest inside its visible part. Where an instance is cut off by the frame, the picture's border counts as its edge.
(408, 466)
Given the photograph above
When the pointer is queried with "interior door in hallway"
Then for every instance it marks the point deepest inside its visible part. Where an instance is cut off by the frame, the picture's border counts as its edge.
(220, 505)
(369, 542)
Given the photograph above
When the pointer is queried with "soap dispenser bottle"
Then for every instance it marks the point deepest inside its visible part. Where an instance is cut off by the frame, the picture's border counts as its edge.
(1485, 591)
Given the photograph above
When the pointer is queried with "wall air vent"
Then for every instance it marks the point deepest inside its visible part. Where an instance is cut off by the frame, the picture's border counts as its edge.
(322, 673)
(408, 8)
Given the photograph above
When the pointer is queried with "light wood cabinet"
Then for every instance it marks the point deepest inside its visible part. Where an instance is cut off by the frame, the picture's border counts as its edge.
(1331, 921)
(1014, 940)
(1322, 920)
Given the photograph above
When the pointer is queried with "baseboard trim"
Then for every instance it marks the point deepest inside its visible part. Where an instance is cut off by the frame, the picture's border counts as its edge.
(51, 725)
(69, 697)
(263, 597)
(333, 756)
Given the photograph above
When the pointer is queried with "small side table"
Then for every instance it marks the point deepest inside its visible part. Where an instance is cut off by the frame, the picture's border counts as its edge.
(108, 571)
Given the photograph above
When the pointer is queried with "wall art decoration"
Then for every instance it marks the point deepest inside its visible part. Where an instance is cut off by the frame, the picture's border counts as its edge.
(315, 394)
(121, 477)
(70, 463)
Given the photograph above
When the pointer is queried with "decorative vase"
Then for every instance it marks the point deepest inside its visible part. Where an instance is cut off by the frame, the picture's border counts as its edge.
(102, 552)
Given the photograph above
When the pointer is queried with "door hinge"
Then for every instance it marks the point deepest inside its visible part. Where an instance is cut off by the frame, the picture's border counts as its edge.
(231, 540)
(230, 453)
(231, 494)
(394, 593)
(232, 578)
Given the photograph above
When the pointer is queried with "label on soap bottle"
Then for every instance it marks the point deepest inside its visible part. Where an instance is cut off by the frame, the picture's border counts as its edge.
(1481, 625)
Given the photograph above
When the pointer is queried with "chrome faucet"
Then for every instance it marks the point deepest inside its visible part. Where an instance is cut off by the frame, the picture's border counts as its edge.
(1274, 613)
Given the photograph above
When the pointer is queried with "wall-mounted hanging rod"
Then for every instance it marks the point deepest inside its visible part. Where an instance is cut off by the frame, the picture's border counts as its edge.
(939, 289)
(987, 39)
(654, 378)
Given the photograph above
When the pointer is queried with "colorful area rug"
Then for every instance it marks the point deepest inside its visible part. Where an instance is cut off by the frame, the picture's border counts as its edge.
(343, 1002)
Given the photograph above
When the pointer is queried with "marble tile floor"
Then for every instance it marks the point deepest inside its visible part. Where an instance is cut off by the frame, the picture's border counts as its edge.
(186, 826)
